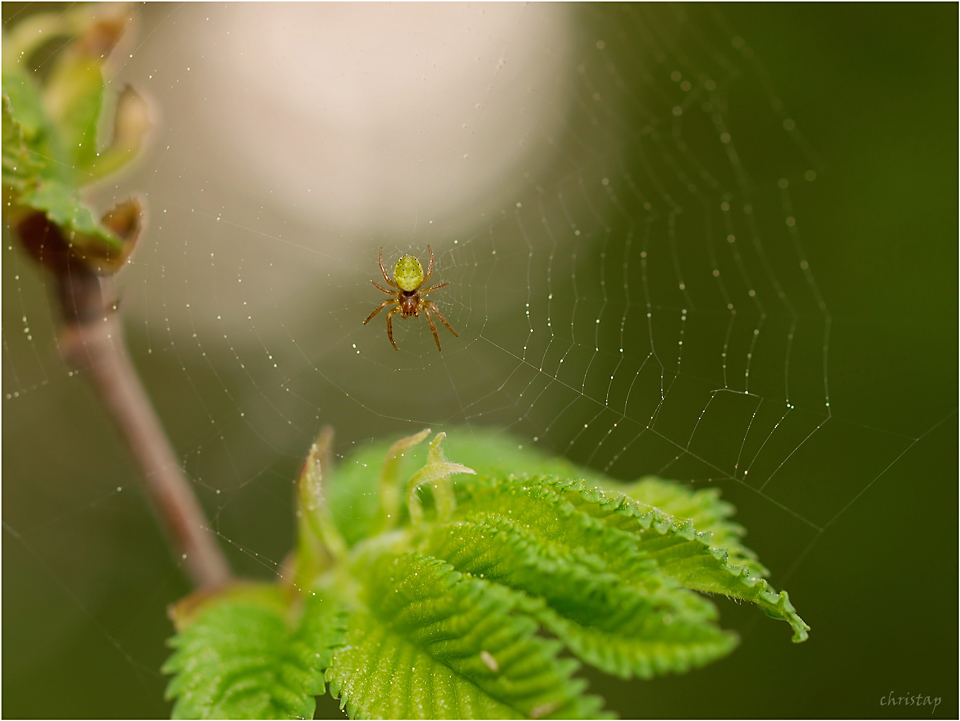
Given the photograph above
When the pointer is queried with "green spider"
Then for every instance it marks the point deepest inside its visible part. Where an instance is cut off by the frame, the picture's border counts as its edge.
(408, 277)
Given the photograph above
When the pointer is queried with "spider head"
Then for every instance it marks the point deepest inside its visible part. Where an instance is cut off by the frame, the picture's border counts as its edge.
(408, 273)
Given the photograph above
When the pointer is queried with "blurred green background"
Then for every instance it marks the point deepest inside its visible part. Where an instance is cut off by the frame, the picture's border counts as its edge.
(87, 575)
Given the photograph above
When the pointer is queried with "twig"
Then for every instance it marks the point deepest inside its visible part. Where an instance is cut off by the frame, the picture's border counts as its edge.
(92, 339)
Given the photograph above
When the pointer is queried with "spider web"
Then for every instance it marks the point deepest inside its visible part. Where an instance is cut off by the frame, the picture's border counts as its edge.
(616, 196)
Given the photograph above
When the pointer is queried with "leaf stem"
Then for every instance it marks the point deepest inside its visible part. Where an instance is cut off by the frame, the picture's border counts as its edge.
(92, 339)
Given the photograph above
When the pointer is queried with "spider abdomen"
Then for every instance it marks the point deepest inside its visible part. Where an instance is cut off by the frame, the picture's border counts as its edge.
(408, 274)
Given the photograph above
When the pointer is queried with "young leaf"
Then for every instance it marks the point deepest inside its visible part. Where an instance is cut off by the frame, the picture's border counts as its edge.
(602, 594)
(355, 491)
(26, 109)
(43, 182)
(436, 476)
(50, 144)
(319, 542)
(62, 205)
(19, 168)
(704, 507)
(237, 655)
(678, 549)
(361, 503)
(131, 125)
(435, 643)
(622, 627)
(449, 607)
(389, 508)
(685, 554)
(73, 97)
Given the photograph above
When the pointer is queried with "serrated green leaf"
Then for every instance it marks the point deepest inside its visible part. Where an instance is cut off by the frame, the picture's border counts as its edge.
(685, 554)
(379, 674)
(539, 503)
(628, 627)
(434, 643)
(704, 507)
(604, 596)
(678, 548)
(723, 564)
(641, 652)
(321, 631)
(449, 610)
(238, 656)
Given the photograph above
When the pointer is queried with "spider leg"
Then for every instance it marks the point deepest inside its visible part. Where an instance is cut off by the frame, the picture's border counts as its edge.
(430, 305)
(434, 287)
(379, 308)
(384, 271)
(426, 312)
(380, 287)
(429, 266)
(390, 326)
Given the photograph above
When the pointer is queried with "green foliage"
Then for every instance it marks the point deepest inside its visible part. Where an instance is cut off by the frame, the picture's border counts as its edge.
(239, 655)
(19, 168)
(707, 511)
(434, 643)
(50, 145)
(440, 589)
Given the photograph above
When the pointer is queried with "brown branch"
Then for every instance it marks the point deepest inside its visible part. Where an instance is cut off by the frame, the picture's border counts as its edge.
(92, 339)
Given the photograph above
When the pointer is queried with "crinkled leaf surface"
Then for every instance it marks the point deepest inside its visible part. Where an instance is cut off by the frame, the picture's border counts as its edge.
(240, 656)
(704, 507)
(685, 554)
(637, 623)
(484, 608)
(435, 643)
